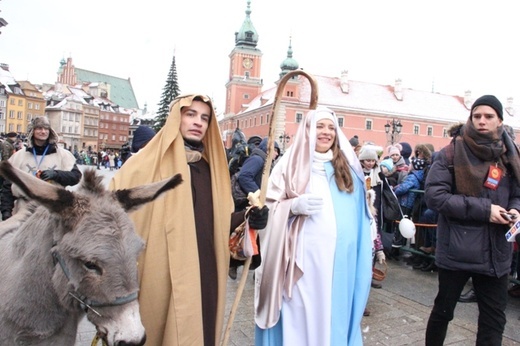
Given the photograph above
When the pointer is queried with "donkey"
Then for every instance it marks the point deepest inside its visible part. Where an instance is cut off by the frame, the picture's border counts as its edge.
(71, 253)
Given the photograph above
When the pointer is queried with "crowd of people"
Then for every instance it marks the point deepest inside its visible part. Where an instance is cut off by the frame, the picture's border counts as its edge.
(330, 204)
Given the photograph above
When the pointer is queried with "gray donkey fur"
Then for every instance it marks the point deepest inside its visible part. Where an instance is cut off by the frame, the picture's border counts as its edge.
(71, 243)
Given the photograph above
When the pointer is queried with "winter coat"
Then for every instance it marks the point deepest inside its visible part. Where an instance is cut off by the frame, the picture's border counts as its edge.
(400, 172)
(466, 240)
(250, 177)
(60, 160)
(411, 182)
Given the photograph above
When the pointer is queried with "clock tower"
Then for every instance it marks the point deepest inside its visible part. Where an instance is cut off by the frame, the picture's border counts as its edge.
(244, 81)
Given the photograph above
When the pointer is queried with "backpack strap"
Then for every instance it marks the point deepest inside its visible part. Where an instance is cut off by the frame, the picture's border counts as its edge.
(449, 150)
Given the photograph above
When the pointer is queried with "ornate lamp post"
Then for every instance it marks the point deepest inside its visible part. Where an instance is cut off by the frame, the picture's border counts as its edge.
(393, 130)
(284, 139)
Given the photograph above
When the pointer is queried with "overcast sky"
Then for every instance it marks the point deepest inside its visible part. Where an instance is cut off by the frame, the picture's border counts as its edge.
(452, 46)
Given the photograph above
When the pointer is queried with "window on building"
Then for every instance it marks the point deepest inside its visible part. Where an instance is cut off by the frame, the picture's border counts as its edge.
(368, 124)
(19, 128)
(29, 105)
(246, 96)
(429, 130)
(445, 132)
(299, 117)
(11, 114)
(2, 103)
(2, 116)
(37, 106)
(11, 101)
(20, 102)
(247, 74)
(340, 122)
(416, 129)
(113, 137)
(29, 117)
(290, 93)
(11, 127)
(20, 115)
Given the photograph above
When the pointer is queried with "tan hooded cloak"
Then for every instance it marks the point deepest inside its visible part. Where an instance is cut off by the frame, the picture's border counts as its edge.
(169, 297)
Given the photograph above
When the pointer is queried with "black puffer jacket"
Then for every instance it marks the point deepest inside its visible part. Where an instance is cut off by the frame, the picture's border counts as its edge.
(466, 240)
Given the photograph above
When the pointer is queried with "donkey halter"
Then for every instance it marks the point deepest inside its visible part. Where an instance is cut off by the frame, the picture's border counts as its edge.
(89, 304)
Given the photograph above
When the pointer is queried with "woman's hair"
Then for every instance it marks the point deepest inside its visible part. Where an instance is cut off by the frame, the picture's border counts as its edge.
(342, 173)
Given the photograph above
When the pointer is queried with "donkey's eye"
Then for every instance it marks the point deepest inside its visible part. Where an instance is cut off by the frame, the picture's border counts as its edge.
(92, 267)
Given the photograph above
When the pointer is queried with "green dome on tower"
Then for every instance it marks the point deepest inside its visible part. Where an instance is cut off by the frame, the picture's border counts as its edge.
(289, 64)
(247, 35)
(62, 63)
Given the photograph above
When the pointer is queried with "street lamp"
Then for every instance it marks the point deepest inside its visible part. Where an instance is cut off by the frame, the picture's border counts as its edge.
(393, 131)
(284, 139)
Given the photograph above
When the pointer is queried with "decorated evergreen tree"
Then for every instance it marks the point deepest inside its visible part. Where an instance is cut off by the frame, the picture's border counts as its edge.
(170, 92)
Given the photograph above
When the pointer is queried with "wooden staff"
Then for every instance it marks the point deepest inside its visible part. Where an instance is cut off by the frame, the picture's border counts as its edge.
(265, 176)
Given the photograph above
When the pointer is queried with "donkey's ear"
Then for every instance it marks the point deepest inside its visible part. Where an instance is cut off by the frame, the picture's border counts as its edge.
(53, 197)
(132, 199)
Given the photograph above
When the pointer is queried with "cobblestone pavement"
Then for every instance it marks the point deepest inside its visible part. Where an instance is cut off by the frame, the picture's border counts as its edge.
(399, 312)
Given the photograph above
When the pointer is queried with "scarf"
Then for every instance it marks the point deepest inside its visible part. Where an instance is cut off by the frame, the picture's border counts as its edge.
(475, 152)
(318, 162)
(193, 154)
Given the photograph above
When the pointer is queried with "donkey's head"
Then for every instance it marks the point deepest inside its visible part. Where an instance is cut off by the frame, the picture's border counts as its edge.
(95, 248)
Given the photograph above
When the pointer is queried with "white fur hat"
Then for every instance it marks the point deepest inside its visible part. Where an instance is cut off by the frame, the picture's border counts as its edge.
(368, 154)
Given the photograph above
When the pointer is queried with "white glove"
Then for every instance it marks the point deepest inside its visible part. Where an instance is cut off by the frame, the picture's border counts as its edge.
(381, 258)
(307, 204)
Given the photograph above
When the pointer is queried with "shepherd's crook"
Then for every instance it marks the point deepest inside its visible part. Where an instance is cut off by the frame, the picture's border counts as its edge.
(265, 176)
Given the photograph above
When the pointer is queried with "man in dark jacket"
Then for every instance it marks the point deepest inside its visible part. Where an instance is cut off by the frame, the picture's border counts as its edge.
(472, 183)
(250, 180)
(250, 177)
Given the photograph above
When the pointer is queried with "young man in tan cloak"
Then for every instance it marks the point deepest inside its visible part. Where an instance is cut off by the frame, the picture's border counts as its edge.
(183, 270)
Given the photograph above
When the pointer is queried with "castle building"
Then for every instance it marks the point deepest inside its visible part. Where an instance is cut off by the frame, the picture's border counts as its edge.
(377, 114)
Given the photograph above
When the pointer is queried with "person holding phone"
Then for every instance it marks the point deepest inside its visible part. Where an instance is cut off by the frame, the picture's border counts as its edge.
(474, 185)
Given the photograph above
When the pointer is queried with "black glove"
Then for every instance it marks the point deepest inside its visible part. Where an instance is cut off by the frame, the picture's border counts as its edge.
(6, 215)
(258, 217)
(49, 174)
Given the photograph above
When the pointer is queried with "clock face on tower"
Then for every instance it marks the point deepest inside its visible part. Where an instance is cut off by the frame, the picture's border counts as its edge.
(247, 63)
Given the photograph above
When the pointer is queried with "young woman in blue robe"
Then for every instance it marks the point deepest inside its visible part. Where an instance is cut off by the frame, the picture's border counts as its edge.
(314, 281)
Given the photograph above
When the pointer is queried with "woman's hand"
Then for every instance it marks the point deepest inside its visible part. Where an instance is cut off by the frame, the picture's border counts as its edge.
(307, 204)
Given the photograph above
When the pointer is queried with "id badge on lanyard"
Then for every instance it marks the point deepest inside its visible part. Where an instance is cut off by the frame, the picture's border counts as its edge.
(493, 177)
